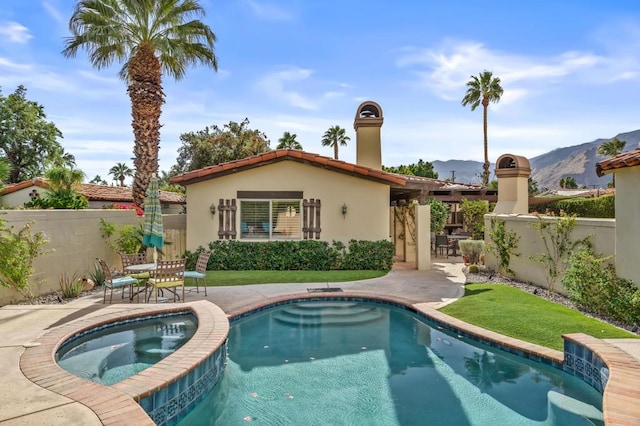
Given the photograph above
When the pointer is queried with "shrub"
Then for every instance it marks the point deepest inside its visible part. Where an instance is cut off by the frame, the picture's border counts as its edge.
(473, 215)
(71, 285)
(472, 249)
(592, 284)
(502, 244)
(439, 214)
(473, 269)
(599, 207)
(97, 275)
(307, 255)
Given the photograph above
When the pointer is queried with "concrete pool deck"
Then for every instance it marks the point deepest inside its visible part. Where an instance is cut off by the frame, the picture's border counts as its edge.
(22, 402)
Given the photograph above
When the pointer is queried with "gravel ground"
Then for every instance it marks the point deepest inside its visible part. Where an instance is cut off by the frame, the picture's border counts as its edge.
(491, 277)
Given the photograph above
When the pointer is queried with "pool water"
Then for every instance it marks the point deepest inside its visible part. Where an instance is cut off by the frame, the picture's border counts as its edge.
(357, 363)
(113, 353)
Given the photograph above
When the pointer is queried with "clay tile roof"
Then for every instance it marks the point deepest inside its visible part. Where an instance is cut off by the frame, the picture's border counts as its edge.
(620, 161)
(98, 192)
(316, 160)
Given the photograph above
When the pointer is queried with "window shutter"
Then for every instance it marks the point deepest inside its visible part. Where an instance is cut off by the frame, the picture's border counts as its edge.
(227, 219)
(311, 220)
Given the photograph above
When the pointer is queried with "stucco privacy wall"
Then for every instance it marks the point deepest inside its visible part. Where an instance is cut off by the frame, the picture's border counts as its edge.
(367, 202)
(74, 237)
(602, 232)
(627, 219)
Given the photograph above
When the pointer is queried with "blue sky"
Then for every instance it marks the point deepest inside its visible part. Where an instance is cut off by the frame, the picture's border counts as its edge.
(570, 72)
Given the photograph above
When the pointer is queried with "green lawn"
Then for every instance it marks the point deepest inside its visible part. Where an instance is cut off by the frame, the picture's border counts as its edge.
(516, 313)
(224, 278)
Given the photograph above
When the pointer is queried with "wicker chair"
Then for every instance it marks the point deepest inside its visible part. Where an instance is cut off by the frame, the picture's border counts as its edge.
(442, 243)
(201, 271)
(111, 283)
(169, 274)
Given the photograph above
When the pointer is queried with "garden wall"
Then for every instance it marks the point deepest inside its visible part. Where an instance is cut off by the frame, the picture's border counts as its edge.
(602, 232)
(75, 242)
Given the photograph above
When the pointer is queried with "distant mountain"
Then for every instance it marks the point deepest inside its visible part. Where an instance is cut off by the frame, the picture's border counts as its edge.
(578, 161)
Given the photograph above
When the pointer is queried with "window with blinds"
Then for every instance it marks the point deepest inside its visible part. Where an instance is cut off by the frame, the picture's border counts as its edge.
(270, 219)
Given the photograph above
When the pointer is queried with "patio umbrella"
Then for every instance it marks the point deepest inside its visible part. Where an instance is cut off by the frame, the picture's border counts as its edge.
(152, 235)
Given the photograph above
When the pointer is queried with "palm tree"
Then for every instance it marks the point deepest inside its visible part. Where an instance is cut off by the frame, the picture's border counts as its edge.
(611, 148)
(150, 37)
(98, 180)
(480, 91)
(120, 171)
(288, 141)
(333, 137)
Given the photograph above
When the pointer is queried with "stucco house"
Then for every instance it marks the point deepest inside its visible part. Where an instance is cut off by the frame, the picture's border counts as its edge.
(626, 166)
(99, 196)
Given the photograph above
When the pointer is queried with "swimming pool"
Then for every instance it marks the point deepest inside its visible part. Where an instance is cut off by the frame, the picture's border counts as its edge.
(353, 362)
(112, 353)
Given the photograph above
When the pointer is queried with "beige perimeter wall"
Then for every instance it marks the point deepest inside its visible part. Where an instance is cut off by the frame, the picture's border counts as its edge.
(75, 241)
(602, 233)
(628, 219)
(367, 202)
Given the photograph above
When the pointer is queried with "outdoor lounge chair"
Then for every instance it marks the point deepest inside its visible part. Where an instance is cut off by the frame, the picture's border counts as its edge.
(111, 283)
(169, 274)
(200, 272)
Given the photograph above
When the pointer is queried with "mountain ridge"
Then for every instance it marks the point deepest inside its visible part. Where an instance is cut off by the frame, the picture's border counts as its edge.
(577, 161)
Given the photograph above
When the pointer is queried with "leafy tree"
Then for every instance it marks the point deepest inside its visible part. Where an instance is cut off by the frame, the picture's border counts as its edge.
(4, 172)
(163, 181)
(62, 159)
(533, 187)
(421, 168)
(288, 141)
(120, 172)
(611, 148)
(151, 38)
(439, 214)
(27, 140)
(481, 90)
(473, 212)
(98, 180)
(568, 182)
(215, 145)
(333, 137)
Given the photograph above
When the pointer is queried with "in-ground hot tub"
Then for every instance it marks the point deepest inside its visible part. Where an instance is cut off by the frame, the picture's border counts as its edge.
(116, 351)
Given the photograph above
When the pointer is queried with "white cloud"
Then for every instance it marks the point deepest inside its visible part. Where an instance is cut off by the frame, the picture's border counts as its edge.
(275, 85)
(54, 13)
(269, 12)
(15, 32)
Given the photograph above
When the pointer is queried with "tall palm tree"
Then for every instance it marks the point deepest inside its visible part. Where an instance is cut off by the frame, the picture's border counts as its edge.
(333, 137)
(120, 171)
(481, 90)
(150, 37)
(611, 148)
(288, 141)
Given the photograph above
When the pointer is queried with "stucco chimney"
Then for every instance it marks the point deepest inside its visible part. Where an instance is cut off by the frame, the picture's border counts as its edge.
(367, 124)
(513, 173)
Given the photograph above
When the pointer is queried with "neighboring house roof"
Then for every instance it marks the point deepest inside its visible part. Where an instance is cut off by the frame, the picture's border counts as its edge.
(118, 194)
(278, 155)
(620, 161)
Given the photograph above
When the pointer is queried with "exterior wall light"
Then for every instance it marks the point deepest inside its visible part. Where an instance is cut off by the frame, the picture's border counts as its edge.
(212, 209)
(344, 210)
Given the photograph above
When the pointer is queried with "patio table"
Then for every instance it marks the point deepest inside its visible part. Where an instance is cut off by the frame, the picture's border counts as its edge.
(136, 269)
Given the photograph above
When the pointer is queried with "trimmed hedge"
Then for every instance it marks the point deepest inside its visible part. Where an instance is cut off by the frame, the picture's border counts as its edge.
(598, 207)
(307, 255)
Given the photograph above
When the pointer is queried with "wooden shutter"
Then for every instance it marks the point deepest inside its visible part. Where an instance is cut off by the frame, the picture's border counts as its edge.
(311, 219)
(227, 219)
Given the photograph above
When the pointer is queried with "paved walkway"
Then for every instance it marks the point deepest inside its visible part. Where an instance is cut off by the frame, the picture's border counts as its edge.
(24, 403)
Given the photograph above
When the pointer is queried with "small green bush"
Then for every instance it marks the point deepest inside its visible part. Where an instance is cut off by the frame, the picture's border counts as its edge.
(97, 275)
(308, 255)
(593, 285)
(473, 212)
(473, 269)
(71, 285)
(472, 249)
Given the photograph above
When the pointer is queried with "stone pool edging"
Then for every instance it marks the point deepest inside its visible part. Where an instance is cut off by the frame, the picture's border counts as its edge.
(120, 403)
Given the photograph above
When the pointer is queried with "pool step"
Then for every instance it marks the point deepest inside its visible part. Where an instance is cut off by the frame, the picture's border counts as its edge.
(327, 313)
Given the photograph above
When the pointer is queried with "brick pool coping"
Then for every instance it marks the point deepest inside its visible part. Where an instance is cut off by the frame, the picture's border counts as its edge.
(118, 404)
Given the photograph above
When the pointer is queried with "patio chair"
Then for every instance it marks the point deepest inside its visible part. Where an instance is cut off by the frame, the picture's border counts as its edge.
(200, 272)
(111, 283)
(129, 259)
(169, 274)
(442, 243)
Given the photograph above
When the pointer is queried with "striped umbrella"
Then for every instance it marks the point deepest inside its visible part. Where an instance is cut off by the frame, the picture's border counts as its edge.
(152, 235)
